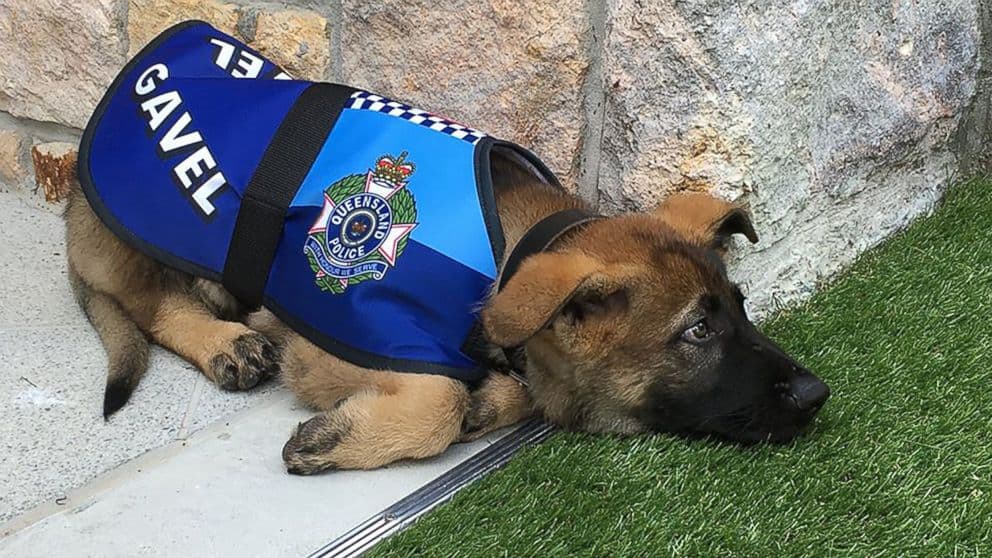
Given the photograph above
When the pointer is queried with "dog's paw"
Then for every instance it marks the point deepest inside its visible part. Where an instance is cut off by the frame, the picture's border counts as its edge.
(312, 446)
(251, 360)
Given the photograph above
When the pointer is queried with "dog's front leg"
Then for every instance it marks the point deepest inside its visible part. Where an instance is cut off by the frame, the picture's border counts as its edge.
(500, 401)
(410, 417)
(229, 353)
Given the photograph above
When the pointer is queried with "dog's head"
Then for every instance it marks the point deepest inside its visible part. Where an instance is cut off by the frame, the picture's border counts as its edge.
(632, 325)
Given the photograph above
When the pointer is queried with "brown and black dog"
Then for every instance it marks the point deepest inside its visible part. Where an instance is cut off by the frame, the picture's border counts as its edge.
(628, 324)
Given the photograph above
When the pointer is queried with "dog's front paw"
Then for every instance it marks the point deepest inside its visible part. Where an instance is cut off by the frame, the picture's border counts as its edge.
(312, 446)
(251, 360)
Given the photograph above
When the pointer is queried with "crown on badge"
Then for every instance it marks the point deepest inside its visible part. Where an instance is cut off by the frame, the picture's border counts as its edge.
(393, 170)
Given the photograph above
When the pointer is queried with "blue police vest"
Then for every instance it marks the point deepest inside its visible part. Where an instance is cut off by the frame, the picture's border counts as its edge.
(366, 225)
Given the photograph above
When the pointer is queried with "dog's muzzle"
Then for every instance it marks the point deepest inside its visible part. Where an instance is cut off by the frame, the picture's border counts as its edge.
(806, 393)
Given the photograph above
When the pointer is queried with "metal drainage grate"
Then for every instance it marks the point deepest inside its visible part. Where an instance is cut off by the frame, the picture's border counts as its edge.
(406, 511)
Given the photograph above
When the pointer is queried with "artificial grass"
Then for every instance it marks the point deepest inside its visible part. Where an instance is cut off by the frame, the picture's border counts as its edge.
(899, 462)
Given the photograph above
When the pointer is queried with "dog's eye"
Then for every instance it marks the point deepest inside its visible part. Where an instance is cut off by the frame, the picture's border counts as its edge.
(698, 332)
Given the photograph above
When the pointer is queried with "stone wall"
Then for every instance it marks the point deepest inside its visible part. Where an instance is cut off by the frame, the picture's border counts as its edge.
(837, 122)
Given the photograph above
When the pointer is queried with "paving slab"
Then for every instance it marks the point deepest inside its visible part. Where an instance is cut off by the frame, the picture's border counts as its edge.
(34, 290)
(54, 435)
(223, 492)
(53, 369)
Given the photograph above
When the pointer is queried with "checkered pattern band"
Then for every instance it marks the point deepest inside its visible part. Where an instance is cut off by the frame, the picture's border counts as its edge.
(363, 100)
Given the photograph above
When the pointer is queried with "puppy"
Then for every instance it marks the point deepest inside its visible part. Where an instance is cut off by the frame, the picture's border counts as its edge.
(628, 324)
(620, 324)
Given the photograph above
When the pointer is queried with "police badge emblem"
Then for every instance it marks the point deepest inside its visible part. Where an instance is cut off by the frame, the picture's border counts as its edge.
(363, 227)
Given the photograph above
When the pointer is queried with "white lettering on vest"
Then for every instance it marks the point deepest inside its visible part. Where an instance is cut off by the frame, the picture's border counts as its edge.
(150, 78)
(180, 135)
(202, 194)
(159, 107)
(196, 164)
(249, 66)
(172, 141)
(241, 63)
(246, 64)
(224, 55)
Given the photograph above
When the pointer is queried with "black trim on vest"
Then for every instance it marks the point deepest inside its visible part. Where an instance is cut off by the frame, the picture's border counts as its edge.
(487, 197)
(540, 236)
(487, 193)
(86, 178)
(285, 164)
(475, 345)
(370, 360)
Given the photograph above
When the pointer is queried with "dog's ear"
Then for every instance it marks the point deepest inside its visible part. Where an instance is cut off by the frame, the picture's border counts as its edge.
(705, 219)
(549, 285)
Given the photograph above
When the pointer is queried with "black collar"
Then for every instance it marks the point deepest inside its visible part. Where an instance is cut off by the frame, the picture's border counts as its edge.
(538, 239)
(542, 235)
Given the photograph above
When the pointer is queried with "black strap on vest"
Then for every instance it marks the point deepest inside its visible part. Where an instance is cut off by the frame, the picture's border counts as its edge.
(542, 235)
(285, 164)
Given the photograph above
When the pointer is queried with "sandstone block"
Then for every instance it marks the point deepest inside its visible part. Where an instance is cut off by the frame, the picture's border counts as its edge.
(297, 40)
(515, 69)
(833, 121)
(147, 18)
(293, 38)
(57, 57)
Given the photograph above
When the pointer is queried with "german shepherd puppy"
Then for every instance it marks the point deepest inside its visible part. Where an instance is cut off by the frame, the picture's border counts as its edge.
(627, 324)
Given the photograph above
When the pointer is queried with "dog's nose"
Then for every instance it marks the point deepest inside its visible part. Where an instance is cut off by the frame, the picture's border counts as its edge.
(807, 392)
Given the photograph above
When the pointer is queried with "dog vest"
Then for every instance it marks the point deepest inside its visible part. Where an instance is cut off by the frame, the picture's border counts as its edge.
(366, 225)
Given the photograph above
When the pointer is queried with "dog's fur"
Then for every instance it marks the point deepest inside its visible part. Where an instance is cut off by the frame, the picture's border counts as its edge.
(601, 318)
